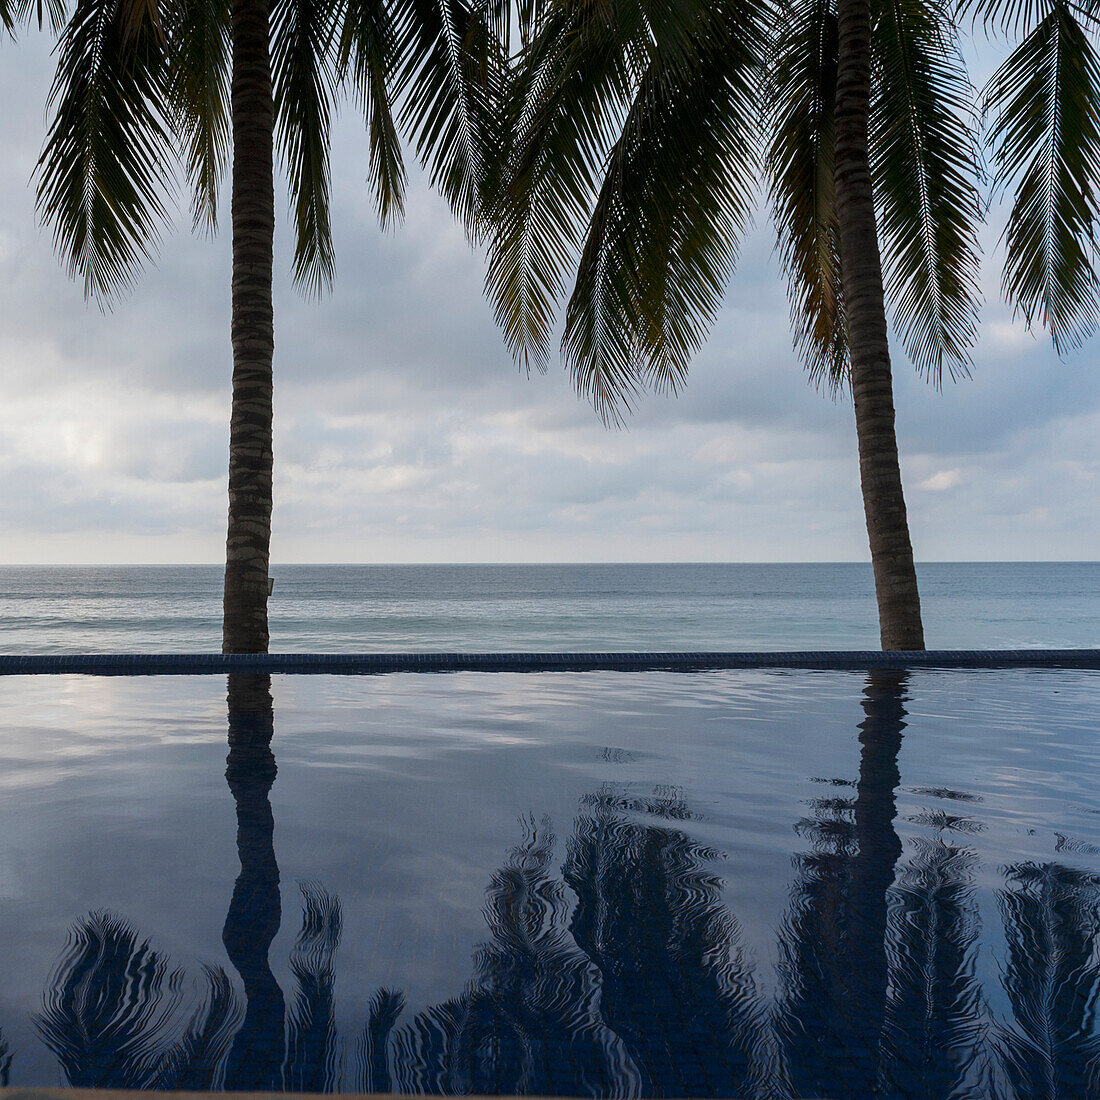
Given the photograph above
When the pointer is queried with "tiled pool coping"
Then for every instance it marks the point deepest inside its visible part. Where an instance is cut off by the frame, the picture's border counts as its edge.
(125, 1094)
(148, 664)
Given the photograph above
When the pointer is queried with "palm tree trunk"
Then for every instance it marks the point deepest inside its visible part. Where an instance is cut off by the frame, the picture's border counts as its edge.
(244, 623)
(865, 304)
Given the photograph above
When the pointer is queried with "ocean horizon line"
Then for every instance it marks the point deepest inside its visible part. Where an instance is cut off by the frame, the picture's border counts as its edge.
(535, 564)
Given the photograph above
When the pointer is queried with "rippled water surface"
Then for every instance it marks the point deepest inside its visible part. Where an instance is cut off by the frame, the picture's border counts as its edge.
(760, 884)
(128, 609)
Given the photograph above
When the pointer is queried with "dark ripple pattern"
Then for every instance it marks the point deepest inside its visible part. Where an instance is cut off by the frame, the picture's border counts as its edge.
(614, 960)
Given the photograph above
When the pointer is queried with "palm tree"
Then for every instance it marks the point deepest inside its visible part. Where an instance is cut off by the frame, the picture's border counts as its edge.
(139, 83)
(633, 149)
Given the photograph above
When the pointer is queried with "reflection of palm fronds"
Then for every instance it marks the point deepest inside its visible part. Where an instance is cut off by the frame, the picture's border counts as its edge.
(935, 1023)
(1052, 924)
(193, 1063)
(528, 1021)
(108, 1006)
(5, 1062)
(312, 1047)
(811, 1017)
(676, 988)
(373, 1073)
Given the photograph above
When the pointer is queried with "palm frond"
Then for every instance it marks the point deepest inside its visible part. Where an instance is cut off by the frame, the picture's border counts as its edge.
(106, 170)
(800, 164)
(109, 1006)
(372, 1056)
(924, 163)
(43, 13)
(312, 1045)
(1045, 134)
(303, 75)
(1051, 914)
(194, 1063)
(366, 51)
(450, 62)
(198, 35)
(677, 195)
(562, 103)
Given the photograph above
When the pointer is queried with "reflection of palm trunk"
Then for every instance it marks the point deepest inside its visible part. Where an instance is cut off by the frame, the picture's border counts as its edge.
(872, 869)
(833, 944)
(257, 1055)
(5, 1062)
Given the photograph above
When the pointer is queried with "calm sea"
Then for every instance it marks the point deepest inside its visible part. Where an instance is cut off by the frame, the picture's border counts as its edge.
(363, 608)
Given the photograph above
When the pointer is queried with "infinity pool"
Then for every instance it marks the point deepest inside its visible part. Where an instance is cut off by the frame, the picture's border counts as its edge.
(759, 884)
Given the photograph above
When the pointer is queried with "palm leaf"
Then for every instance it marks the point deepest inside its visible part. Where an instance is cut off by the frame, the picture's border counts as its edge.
(937, 1021)
(800, 168)
(17, 13)
(312, 1045)
(194, 1063)
(106, 169)
(1045, 134)
(198, 34)
(109, 1005)
(366, 50)
(925, 168)
(372, 1056)
(1051, 914)
(677, 195)
(449, 63)
(563, 101)
(303, 75)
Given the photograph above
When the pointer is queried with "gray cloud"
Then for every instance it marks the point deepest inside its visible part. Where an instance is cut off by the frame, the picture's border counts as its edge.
(405, 432)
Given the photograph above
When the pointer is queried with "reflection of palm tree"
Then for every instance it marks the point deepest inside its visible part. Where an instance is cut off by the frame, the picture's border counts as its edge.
(1052, 924)
(270, 1051)
(936, 1020)
(833, 943)
(5, 1062)
(110, 1008)
(675, 984)
(256, 1057)
(312, 1064)
(528, 1021)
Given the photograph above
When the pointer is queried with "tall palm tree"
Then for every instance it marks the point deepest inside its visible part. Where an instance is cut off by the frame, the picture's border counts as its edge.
(140, 82)
(633, 150)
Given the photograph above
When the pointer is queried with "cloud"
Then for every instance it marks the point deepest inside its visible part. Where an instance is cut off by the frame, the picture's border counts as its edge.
(941, 481)
(405, 432)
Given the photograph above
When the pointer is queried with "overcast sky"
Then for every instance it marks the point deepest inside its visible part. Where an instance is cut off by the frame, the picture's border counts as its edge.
(405, 433)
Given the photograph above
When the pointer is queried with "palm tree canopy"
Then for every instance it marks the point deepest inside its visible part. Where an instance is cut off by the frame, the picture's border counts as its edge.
(142, 91)
(637, 140)
(1043, 108)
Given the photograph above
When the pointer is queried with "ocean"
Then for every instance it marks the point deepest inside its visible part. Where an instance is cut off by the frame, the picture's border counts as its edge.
(385, 608)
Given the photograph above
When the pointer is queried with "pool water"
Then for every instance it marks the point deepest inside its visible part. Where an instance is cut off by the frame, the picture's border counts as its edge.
(759, 884)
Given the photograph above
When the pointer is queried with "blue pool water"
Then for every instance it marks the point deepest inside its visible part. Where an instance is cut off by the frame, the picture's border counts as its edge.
(760, 884)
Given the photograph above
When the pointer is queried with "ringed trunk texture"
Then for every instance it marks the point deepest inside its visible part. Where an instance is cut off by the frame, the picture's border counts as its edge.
(247, 551)
(865, 304)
